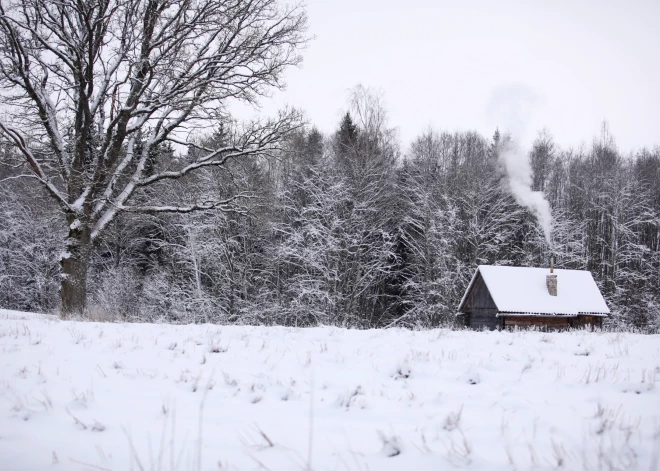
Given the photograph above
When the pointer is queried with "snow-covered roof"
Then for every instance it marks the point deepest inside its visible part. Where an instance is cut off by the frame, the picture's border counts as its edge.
(522, 290)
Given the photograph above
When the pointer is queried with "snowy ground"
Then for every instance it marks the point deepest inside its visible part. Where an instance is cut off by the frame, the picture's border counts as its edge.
(96, 396)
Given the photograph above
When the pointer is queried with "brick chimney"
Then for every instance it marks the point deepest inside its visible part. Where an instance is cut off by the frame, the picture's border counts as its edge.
(551, 279)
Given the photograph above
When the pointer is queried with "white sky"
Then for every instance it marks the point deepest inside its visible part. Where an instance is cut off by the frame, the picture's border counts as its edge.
(458, 65)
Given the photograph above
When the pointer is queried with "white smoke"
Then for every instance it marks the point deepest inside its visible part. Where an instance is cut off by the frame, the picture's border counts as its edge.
(519, 171)
(512, 107)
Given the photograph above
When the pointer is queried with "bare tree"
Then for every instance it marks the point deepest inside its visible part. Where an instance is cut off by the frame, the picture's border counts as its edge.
(92, 88)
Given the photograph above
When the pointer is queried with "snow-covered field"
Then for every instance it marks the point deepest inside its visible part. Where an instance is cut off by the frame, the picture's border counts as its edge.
(98, 396)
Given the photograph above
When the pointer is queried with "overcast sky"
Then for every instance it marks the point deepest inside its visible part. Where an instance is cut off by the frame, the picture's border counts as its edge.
(464, 65)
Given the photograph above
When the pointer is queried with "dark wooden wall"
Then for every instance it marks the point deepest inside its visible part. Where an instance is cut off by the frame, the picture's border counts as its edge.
(553, 322)
(483, 319)
(584, 321)
(538, 321)
(480, 308)
(479, 296)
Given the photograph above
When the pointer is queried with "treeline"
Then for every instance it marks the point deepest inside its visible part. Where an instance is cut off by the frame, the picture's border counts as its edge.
(345, 229)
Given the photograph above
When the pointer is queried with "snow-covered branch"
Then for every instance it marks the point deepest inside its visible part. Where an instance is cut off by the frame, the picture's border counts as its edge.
(228, 205)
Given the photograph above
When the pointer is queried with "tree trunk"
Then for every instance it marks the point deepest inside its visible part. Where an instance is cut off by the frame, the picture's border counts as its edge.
(75, 261)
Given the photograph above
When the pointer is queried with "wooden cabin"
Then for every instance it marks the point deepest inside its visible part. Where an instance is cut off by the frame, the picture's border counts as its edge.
(500, 297)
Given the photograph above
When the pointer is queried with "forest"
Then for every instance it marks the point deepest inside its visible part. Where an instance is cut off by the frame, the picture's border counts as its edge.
(347, 229)
(129, 189)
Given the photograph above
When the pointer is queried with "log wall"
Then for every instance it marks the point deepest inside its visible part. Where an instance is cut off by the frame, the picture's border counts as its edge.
(538, 321)
(592, 321)
(483, 318)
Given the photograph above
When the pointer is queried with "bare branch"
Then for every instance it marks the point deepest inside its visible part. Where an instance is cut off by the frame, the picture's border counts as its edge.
(39, 174)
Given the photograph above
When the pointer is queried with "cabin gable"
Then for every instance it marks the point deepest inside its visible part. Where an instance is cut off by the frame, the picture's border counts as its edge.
(479, 297)
(479, 308)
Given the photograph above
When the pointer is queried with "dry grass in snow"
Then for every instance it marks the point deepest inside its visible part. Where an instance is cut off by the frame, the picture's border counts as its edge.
(95, 396)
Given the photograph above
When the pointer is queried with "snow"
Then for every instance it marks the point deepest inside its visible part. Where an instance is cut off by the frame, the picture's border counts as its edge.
(523, 290)
(78, 204)
(110, 396)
